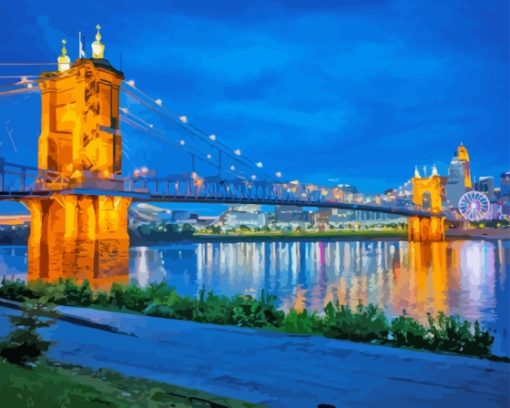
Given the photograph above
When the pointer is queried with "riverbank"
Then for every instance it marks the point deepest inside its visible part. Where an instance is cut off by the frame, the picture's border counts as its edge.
(273, 369)
(52, 384)
(362, 324)
(303, 235)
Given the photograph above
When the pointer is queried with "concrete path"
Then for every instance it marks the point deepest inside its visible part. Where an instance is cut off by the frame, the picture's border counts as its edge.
(271, 368)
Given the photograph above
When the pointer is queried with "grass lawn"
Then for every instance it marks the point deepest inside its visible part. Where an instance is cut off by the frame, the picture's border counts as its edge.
(50, 385)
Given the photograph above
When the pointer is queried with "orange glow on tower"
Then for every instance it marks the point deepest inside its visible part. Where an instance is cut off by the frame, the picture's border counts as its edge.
(463, 156)
(427, 195)
(75, 235)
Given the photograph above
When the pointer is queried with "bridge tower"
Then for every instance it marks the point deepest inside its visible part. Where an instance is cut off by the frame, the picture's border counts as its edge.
(80, 235)
(427, 195)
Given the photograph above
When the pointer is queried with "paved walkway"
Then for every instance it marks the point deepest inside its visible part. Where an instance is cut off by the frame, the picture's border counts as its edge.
(275, 369)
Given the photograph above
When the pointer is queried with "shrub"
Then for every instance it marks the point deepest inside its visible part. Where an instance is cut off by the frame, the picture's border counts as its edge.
(14, 290)
(302, 322)
(24, 345)
(129, 297)
(365, 324)
(213, 309)
(449, 333)
(250, 312)
(408, 332)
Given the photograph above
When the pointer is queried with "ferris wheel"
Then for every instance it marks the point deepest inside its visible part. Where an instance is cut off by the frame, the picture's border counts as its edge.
(474, 206)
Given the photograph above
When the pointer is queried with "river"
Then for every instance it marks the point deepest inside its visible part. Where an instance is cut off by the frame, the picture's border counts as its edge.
(468, 278)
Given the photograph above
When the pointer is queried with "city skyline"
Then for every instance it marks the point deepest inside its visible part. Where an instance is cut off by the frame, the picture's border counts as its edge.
(240, 85)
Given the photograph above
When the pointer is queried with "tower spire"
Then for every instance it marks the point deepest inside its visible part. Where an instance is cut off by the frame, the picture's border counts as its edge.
(98, 46)
(416, 172)
(64, 62)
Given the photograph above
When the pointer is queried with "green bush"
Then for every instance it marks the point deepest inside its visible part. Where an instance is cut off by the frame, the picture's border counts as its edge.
(24, 345)
(214, 309)
(14, 290)
(449, 333)
(248, 311)
(407, 332)
(365, 324)
(302, 322)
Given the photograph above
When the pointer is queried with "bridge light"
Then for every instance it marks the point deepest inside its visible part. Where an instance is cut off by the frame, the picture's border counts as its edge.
(209, 156)
(183, 119)
(136, 173)
(131, 83)
(253, 177)
(259, 165)
(232, 168)
(212, 137)
(124, 110)
(30, 85)
(182, 142)
(278, 174)
(144, 170)
(158, 102)
(237, 152)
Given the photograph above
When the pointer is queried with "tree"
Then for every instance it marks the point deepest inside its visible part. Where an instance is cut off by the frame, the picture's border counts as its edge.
(24, 345)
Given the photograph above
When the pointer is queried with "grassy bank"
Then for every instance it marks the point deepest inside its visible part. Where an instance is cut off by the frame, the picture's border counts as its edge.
(64, 386)
(363, 324)
(303, 235)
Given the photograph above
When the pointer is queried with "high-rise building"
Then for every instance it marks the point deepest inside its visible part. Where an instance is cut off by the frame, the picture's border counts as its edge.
(504, 183)
(463, 157)
(459, 176)
(486, 185)
(455, 185)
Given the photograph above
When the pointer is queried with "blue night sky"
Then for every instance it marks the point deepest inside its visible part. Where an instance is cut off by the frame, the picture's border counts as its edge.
(349, 91)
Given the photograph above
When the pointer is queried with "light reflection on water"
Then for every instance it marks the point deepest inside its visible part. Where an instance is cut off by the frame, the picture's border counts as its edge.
(468, 278)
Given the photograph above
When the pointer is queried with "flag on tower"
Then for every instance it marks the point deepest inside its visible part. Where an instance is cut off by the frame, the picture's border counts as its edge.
(81, 51)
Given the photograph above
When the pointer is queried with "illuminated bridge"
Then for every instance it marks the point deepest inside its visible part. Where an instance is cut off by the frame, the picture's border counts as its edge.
(25, 182)
(78, 195)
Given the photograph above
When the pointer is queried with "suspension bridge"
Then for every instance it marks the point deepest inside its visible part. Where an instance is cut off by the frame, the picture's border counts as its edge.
(78, 193)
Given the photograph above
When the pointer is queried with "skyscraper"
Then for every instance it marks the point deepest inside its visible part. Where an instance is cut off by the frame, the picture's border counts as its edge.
(455, 185)
(463, 156)
(459, 176)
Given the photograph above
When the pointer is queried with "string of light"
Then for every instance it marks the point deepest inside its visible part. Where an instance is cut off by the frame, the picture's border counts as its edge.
(156, 105)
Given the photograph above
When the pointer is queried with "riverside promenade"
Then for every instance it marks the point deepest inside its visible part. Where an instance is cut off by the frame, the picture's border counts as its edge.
(272, 369)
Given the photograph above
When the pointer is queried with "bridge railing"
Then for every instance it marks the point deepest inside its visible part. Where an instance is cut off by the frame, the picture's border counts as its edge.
(225, 190)
(27, 179)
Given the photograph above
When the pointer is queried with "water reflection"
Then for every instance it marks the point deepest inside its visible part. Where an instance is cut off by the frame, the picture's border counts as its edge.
(459, 277)
(469, 278)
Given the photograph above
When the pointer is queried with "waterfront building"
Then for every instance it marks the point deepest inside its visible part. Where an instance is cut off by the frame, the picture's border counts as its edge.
(290, 214)
(248, 215)
(486, 185)
(505, 186)
(459, 176)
